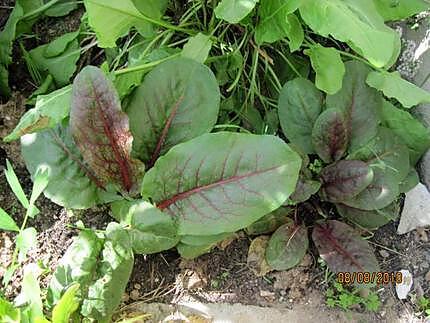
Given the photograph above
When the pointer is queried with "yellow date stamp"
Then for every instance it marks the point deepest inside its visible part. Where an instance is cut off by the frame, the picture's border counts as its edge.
(365, 277)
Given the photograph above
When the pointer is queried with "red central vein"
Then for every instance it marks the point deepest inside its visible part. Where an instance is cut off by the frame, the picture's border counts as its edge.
(164, 133)
(183, 195)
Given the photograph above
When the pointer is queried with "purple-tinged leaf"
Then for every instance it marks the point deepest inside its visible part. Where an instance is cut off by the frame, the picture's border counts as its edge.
(343, 248)
(305, 188)
(101, 132)
(330, 135)
(287, 246)
(345, 179)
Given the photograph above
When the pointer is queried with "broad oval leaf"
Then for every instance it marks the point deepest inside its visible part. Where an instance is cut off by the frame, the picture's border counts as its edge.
(177, 101)
(359, 103)
(222, 182)
(67, 305)
(234, 11)
(270, 222)
(410, 181)
(305, 188)
(70, 181)
(287, 246)
(190, 252)
(101, 132)
(369, 219)
(345, 179)
(78, 265)
(355, 22)
(343, 249)
(393, 86)
(330, 135)
(400, 9)
(199, 240)
(197, 48)
(299, 106)
(151, 230)
(328, 66)
(111, 277)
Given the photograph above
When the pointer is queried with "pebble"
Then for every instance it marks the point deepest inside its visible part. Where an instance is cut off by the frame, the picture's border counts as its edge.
(384, 253)
(427, 276)
(266, 293)
(134, 295)
(137, 286)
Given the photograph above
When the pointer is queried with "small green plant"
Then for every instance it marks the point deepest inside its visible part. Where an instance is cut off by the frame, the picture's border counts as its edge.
(346, 298)
(424, 305)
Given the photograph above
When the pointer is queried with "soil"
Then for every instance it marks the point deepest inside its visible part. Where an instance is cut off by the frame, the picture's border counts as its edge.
(220, 276)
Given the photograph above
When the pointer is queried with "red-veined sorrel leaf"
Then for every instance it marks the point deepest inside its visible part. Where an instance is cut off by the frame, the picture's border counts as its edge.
(177, 101)
(359, 103)
(270, 222)
(330, 135)
(343, 249)
(100, 130)
(345, 179)
(222, 182)
(287, 246)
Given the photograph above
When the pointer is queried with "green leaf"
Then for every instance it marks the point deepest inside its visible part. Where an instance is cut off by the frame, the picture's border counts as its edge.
(343, 249)
(287, 246)
(77, 266)
(7, 35)
(30, 294)
(299, 106)
(270, 222)
(25, 240)
(177, 101)
(234, 11)
(359, 103)
(61, 66)
(6, 222)
(151, 230)
(393, 86)
(197, 48)
(328, 66)
(410, 181)
(39, 184)
(59, 45)
(274, 22)
(112, 275)
(191, 252)
(413, 133)
(305, 188)
(49, 111)
(8, 313)
(61, 8)
(345, 179)
(355, 22)
(369, 219)
(112, 19)
(222, 182)
(330, 135)
(100, 130)
(151, 8)
(14, 184)
(67, 305)
(69, 180)
(199, 240)
(400, 9)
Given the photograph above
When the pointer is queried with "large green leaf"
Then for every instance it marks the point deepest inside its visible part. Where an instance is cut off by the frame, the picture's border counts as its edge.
(328, 66)
(299, 106)
(190, 252)
(345, 179)
(177, 101)
(67, 305)
(355, 22)
(343, 249)
(330, 135)
(70, 184)
(413, 133)
(8, 312)
(410, 181)
(270, 222)
(62, 65)
(222, 182)
(112, 19)
(234, 11)
(369, 219)
(30, 295)
(61, 8)
(393, 86)
(78, 265)
(198, 48)
(360, 104)
(153, 9)
(287, 246)
(100, 129)
(400, 9)
(111, 277)
(151, 230)
(278, 22)
(49, 111)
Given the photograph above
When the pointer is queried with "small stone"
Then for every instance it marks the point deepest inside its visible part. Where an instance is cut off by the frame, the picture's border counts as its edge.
(427, 276)
(194, 281)
(125, 297)
(384, 253)
(134, 295)
(266, 293)
(422, 234)
(137, 286)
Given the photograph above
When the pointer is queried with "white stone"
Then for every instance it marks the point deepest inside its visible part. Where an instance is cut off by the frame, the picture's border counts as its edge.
(416, 211)
(403, 289)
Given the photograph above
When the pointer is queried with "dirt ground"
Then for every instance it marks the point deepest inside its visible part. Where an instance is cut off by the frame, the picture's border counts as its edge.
(222, 275)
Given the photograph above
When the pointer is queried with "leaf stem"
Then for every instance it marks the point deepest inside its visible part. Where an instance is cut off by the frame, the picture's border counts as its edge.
(144, 66)
(46, 6)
